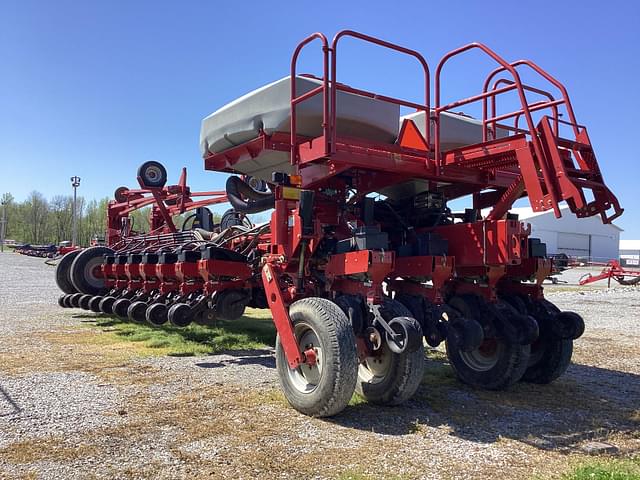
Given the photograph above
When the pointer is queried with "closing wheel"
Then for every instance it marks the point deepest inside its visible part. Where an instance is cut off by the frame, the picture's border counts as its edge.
(94, 304)
(180, 315)
(323, 389)
(550, 356)
(63, 272)
(153, 174)
(66, 299)
(83, 303)
(390, 378)
(120, 308)
(74, 299)
(106, 304)
(408, 335)
(137, 311)
(156, 314)
(495, 364)
(86, 272)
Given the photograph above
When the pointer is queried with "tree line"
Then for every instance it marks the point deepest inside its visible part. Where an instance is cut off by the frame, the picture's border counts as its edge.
(37, 220)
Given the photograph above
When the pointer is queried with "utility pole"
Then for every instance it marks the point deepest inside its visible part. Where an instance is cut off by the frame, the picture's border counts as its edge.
(3, 224)
(75, 183)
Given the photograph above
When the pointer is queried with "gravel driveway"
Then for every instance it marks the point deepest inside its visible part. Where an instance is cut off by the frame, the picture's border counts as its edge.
(75, 405)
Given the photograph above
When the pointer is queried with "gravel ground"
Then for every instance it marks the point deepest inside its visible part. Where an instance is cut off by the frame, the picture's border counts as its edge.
(75, 406)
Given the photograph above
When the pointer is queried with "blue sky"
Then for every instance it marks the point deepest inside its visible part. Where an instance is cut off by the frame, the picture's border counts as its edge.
(94, 88)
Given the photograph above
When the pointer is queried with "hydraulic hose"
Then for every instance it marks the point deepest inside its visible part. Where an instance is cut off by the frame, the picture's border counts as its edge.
(256, 201)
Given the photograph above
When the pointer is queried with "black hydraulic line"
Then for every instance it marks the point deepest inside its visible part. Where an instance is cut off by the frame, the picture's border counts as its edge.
(257, 201)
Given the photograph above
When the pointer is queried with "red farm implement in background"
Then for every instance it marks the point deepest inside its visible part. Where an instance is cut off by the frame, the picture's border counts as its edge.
(612, 270)
(362, 259)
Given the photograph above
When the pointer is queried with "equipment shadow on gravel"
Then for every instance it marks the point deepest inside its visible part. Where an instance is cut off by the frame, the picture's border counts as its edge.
(263, 358)
(587, 403)
(8, 399)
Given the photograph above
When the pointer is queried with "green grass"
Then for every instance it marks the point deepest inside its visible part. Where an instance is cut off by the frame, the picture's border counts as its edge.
(255, 330)
(614, 469)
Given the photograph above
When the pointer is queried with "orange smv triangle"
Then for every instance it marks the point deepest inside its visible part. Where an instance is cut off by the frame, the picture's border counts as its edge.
(410, 137)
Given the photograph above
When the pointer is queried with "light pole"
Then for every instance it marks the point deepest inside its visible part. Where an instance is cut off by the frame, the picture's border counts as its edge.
(3, 224)
(75, 183)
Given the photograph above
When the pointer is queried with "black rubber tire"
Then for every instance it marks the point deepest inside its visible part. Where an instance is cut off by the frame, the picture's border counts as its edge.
(106, 304)
(180, 315)
(63, 272)
(153, 174)
(66, 299)
(94, 304)
(120, 194)
(353, 309)
(74, 299)
(61, 300)
(137, 311)
(404, 373)
(510, 364)
(338, 360)
(120, 308)
(231, 304)
(83, 268)
(156, 314)
(550, 358)
(83, 302)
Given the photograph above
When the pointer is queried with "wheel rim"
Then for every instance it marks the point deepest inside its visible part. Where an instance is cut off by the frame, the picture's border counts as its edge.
(376, 369)
(93, 273)
(485, 357)
(306, 378)
(152, 174)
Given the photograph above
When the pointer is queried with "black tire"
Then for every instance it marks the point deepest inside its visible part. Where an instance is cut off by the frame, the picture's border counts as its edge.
(120, 194)
(63, 272)
(550, 358)
(94, 304)
(120, 308)
(391, 378)
(106, 304)
(85, 275)
(61, 300)
(495, 365)
(84, 300)
(137, 311)
(153, 174)
(156, 314)
(66, 299)
(325, 389)
(74, 299)
(180, 315)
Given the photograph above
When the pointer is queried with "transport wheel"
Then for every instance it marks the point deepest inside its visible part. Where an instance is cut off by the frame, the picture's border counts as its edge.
(86, 274)
(494, 365)
(74, 299)
(153, 174)
(137, 311)
(63, 272)
(391, 378)
(325, 388)
(83, 303)
(120, 308)
(156, 314)
(180, 315)
(106, 304)
(94, 304)
(120, 194)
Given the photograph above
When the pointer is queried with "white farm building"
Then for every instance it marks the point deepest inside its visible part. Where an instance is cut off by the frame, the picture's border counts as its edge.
(585, 238)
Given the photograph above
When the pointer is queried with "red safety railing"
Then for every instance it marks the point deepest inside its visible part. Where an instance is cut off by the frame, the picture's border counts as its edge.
(324, 89)
(392, 46)
(330, 86)
(517, 86)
